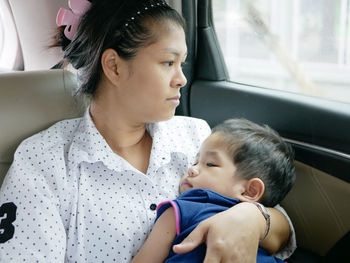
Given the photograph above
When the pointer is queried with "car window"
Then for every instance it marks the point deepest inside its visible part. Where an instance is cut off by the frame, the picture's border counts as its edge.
(292, 45)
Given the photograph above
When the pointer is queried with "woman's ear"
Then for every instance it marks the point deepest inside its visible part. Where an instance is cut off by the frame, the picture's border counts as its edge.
(254, 190)
(110, 62)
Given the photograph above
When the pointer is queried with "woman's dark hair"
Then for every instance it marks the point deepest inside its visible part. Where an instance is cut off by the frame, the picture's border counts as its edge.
(259, 152)
(123, 25)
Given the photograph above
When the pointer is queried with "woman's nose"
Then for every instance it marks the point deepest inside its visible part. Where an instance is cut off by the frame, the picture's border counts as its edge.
(179, 79)
(192, 171)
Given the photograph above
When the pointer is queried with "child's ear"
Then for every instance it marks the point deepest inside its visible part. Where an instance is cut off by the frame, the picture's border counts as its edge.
(254, 190)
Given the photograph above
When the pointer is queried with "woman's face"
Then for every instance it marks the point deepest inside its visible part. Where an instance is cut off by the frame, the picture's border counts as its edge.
(150, 90)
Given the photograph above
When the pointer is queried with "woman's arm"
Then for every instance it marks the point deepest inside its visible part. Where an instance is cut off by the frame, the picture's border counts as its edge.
(30, 218)
(278, 234)
(158, 244)
(233, 235)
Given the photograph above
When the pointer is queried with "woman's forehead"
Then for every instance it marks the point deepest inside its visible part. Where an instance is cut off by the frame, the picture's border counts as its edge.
(174, 51)
(169, 40)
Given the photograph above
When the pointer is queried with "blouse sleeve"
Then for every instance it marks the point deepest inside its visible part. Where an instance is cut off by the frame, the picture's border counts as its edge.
(288, 250)
(31, 229)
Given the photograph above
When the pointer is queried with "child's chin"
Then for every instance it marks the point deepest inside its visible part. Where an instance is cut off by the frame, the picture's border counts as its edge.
(184, 189)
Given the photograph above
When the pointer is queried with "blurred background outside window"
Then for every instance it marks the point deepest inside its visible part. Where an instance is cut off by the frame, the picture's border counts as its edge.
(294, 45)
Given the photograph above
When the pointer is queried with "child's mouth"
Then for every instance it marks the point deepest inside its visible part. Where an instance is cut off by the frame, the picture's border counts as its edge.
(185, 183)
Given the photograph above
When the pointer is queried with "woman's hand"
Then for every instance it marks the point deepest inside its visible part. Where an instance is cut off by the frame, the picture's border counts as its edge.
(230, 236)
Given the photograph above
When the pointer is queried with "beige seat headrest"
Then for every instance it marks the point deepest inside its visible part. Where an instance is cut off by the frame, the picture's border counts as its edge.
(30, 102)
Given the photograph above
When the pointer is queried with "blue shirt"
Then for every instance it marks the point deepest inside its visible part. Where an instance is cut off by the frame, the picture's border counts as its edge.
(190, 209)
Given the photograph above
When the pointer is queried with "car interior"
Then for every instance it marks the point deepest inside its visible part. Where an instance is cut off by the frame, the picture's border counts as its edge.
(34, 96)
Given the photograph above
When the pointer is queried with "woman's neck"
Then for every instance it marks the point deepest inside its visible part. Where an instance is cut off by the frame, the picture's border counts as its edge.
(127, 139)
(116, 128)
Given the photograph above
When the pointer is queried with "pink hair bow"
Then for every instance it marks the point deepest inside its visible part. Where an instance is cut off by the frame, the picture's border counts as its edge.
(71, 18)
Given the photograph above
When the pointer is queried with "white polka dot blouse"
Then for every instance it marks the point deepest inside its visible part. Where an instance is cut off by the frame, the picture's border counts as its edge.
(70, 198)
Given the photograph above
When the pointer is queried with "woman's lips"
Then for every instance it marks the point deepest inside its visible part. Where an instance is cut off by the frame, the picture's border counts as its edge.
(175, 100)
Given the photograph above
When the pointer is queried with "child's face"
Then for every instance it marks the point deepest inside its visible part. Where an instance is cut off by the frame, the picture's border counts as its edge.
(214, 170)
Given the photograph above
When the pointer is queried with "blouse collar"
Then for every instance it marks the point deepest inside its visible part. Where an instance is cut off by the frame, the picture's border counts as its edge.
(88, 145)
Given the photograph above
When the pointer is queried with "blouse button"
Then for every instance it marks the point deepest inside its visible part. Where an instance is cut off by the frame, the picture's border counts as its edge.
(153, 207)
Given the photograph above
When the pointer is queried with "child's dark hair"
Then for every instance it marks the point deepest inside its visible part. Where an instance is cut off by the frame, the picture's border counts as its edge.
(123, 25)
(259, 152)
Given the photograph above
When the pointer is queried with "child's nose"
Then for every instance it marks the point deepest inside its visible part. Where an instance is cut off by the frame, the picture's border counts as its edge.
(192, 171)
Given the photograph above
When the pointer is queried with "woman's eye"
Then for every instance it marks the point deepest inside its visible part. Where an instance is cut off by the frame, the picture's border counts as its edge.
(211, 165)
(169, 63)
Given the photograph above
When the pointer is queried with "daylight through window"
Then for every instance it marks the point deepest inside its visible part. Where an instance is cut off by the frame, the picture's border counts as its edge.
(295, 45)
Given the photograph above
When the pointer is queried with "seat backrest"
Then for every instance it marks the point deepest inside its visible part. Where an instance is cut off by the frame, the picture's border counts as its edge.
(318, 206)
(30, 102)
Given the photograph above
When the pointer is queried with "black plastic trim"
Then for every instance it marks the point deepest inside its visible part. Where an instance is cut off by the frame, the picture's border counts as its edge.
(210, 62)
(298, 117)
(190, 15)
(329, 163)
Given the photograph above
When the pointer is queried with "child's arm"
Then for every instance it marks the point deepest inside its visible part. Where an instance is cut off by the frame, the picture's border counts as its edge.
(158, 244)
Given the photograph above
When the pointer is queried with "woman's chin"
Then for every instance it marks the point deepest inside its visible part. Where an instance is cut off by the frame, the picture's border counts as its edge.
(164, 117)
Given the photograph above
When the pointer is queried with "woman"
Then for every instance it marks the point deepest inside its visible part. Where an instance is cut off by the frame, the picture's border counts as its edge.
(85, 190)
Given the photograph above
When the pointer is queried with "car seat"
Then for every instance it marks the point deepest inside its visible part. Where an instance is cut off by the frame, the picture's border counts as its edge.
(318, 206)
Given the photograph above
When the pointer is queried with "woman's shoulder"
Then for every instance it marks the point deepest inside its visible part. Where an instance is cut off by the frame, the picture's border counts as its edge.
(58, 134)
(187, 128)
(39, 158)
(185, 134)
(184, 122)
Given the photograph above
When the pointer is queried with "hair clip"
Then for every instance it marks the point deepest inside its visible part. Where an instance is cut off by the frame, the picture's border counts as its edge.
(71, 18)
(145, 8)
